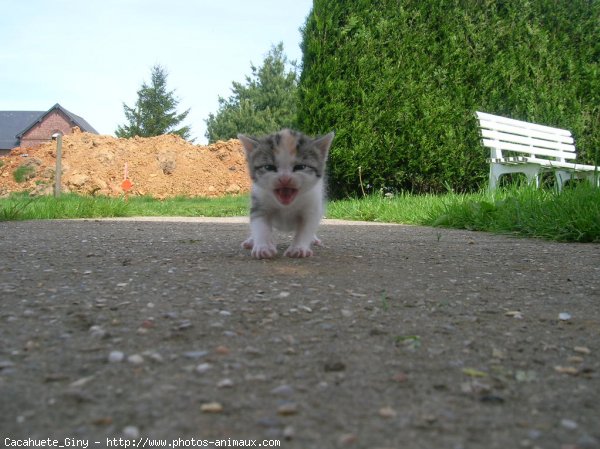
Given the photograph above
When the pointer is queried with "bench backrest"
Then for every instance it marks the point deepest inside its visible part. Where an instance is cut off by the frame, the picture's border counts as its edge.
(541, 142)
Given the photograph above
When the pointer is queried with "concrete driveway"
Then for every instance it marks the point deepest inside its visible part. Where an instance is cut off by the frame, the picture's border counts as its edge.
(391, 336)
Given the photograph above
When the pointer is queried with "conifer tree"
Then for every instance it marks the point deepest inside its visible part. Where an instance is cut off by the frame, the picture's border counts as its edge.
(265, 103)
(154, 113)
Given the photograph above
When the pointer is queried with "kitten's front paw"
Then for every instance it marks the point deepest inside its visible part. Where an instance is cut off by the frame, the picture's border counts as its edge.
(298, 251)
(264, 251)
(317, 241)
(248, 243)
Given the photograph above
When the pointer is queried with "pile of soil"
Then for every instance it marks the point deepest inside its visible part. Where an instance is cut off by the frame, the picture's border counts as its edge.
(161, 167)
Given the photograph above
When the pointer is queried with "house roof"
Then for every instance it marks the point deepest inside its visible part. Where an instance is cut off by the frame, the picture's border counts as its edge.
(13, 124)
(75, 119)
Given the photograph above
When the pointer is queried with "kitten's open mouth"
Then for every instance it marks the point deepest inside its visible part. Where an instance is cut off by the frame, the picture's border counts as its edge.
(286, 195)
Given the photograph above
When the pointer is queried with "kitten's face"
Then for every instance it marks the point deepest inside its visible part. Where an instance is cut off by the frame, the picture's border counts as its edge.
(286, 164)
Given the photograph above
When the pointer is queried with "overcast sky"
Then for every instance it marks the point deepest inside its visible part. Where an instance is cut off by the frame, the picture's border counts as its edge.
(92, 56)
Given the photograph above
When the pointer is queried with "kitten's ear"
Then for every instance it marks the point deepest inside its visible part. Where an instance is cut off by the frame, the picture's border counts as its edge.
(323, 143)
(248, 143)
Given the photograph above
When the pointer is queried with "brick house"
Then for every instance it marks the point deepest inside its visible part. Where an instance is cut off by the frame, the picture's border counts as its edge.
(31, 128)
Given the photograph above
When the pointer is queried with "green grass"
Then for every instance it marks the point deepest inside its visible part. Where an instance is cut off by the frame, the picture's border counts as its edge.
(402, 208)
(227, 206)
(22, 207)
(23, 173)
(570, 216)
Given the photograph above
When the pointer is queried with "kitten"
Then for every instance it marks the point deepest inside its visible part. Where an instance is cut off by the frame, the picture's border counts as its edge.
(287, 170)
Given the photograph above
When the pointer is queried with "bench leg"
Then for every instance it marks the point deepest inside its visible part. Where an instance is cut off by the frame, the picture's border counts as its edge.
(533, 178)
(495, 172)
(594, 178)
(562, 176)
(531, 172)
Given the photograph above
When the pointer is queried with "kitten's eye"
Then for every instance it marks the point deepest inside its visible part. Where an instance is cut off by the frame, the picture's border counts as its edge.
(299, 167)
(269, 167)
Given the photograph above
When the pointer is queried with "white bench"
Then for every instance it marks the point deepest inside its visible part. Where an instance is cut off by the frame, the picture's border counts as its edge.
(522, 147)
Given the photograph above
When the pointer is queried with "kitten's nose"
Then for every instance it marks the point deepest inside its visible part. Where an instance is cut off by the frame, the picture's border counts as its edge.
(285, 180)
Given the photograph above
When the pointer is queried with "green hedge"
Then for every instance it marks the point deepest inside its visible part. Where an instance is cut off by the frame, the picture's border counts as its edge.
(399, 81)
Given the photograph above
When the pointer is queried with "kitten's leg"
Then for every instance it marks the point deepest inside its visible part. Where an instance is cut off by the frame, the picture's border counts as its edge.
(261, 240)
(248, 243)
(317, 241)
(305, 235)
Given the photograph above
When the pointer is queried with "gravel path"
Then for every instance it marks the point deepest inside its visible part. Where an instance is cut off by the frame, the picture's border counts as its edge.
(390, 337)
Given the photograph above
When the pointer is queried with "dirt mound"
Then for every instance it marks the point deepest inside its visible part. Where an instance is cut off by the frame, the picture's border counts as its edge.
(161, 167)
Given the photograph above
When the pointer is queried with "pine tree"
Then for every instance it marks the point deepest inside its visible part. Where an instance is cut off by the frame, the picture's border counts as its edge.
(265, 103)
(154, 113)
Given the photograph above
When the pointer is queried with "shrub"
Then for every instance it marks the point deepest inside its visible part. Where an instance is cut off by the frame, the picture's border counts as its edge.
(399, 81)
(24, 172)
